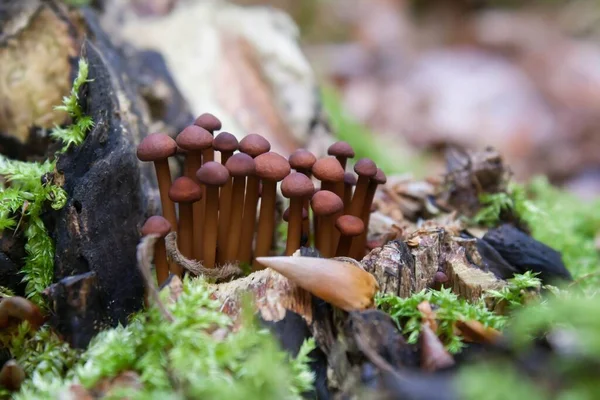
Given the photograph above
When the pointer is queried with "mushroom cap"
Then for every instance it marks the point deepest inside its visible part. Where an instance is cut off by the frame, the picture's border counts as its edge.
(297, 185)
(380, 177)
(325, 202)
(254, 145)
(212, 173)
(272, 166)
(349, 178)
(194, 138)
(208, 122)
(302, 159)
(286, 214)
(341, 149)
(240, 164)
(328, 169)
(156, 146)
(225, 142)
(185, 190)
(156, 225)
(365, 167)
(349, 225)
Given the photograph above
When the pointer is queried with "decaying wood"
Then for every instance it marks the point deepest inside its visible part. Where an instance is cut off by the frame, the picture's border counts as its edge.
(402, 268)
(36, 48)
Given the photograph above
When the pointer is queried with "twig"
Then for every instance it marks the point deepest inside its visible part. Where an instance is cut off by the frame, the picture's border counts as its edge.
(194, 267)
(145, 253)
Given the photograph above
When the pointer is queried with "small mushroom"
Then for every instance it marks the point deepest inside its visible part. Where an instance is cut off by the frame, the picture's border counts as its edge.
(227, 144)
(185, 192)
(349, 227)
(157, 225)
(213, 175)
(359, 243)
(297, 187)
(194, 140)
(342, 151)
(270, 168)
(211, 124)
(365, 169)
(325, 205)
(302, 161)
(12, 376)
(329, 171)
(240, 166)
(21, 309)
(349, 183)
(158, 147)
(340, 283)
(252, 145)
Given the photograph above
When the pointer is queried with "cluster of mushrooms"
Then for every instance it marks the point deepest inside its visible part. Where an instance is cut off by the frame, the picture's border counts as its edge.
(227, 209)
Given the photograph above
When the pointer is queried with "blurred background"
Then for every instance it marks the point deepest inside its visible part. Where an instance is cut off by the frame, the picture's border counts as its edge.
(407, 78)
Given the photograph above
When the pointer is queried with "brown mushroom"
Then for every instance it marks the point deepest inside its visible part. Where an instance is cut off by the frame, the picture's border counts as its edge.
(157, 225)
(365, 169)
(325, 205)
(349, 227)
(329, 171)
(211, 124)
(349, 183)
(296, 187)
(213, 175)
(253, 145)
(12, 376)
(359, 243)
(185, 192)
(240, 166)
(270, 168)
(302, 161)
(20, 309)
(342, 151)
(158, 147)
(194, 140)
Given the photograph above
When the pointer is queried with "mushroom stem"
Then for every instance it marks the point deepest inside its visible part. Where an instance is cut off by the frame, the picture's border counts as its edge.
(344, 244)
(294, 234)
(359, 242)
(185, 233)
(237, 210)
(225, 200)
(359, 197)
(266, 220)
(249, 220)
(193, 162)
(325, 244)
(160, 261)
(211, 224)
(163, 176)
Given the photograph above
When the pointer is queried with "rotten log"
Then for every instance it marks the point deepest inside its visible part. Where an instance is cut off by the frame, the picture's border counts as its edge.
(110, 193)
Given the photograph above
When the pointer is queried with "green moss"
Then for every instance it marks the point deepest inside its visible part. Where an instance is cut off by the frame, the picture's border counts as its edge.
(518, 291)
(568, 225)
(571, 322)
(448, 308)
(188, 358)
